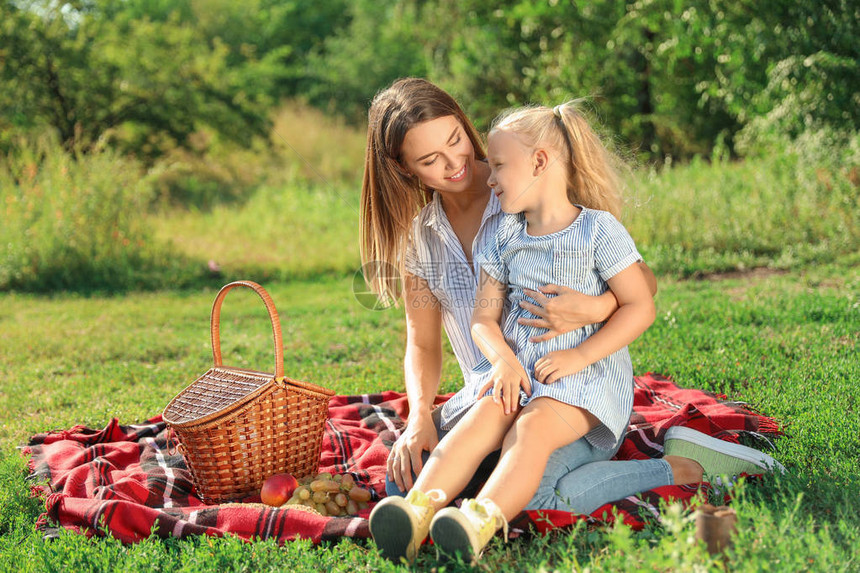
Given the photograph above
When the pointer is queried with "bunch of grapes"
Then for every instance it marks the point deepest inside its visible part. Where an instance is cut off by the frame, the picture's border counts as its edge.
(333, 495)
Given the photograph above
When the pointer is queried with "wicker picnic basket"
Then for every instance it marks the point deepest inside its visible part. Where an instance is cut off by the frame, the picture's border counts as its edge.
(237, 427)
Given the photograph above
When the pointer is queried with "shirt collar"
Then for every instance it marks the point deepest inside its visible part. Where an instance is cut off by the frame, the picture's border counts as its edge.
(435, 212)
(493, 207)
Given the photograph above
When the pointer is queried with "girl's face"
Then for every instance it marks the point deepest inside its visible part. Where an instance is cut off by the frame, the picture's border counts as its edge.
(440, 154)
(511, 171)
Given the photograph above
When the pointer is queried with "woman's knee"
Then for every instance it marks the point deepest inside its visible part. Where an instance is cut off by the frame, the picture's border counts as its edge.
(391, 488)
(546, 497)
(568, 458)
(562, 462)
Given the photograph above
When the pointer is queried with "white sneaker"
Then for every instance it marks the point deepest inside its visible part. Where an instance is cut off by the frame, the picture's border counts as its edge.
(717, 457)
(400, 525)
(467, 530)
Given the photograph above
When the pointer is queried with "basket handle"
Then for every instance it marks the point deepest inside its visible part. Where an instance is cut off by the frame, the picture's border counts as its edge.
(215, 324)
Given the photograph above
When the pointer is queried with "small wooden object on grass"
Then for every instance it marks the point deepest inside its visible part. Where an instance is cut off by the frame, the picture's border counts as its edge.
(715, 526)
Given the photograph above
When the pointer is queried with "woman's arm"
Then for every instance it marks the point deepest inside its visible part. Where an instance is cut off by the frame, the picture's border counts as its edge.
(570, 309)
(508, 374)
(633, 317)
(422, 367)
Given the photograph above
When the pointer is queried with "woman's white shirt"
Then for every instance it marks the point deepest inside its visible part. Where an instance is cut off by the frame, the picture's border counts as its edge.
(434, 254)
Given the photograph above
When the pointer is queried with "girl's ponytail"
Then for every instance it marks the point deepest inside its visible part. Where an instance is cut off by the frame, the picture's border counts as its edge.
(592, 177)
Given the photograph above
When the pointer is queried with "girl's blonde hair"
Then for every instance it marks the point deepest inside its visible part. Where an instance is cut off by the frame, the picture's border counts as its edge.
(592, 170)
(390, 196)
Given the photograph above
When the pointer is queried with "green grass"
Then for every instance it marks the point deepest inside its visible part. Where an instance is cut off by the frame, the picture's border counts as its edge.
(783, 339)
(778, 212)
(783, 342)
(73, 223)
(298, 231)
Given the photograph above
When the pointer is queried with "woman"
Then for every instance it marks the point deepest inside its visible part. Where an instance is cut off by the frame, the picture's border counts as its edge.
(427, 210)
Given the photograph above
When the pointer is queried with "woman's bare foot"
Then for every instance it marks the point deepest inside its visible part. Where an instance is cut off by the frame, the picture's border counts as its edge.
(684, 470)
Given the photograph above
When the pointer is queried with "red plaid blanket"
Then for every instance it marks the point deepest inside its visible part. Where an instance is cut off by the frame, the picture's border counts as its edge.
(124, 480)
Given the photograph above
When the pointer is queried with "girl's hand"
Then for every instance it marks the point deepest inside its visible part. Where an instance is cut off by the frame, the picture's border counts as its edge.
(505, 382)
(405, 455)
(566, 311)
(558, 364)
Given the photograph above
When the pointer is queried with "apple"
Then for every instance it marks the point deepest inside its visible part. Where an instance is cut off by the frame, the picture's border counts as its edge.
(277, 489)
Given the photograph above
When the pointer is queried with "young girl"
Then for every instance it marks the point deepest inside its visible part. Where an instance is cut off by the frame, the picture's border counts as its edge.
(556, 183)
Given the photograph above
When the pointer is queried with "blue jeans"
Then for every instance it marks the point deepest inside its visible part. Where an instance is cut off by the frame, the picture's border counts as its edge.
(578, 477)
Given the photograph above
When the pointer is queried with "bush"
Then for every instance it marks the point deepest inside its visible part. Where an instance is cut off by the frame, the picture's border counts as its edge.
(803, 96)
(76, 222)
(305, 144)
(210, 174)
(317, 146)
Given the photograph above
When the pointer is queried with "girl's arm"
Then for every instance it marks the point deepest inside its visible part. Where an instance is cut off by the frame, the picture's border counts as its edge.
(634, 315)
(570, 309)
(508, 374)
(649, 277)
(423, 370)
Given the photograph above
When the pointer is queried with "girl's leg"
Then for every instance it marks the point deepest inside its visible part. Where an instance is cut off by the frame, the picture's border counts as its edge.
(399, 525)
(454, 461)
(543, 426)
(481, 475)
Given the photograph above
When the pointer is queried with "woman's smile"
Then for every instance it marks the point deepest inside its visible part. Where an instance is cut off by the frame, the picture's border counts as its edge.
(458, 176)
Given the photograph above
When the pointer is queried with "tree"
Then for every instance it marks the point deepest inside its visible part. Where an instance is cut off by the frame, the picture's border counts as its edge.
(380, 44)
(101, 71)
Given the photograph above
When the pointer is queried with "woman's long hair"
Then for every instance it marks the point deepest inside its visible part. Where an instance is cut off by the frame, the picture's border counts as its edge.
(592, 170)
(390, 196)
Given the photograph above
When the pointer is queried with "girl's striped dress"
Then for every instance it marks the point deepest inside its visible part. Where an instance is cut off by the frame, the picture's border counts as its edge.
(593, 249)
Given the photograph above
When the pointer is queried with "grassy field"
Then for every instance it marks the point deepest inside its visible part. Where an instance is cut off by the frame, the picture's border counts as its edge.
(759, 272)
(288, 209)
(688, 221)
(783, 342)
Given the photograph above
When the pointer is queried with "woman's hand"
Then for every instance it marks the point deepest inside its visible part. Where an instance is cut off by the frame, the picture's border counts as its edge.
(566, 311)
(555, 365)
(505, 382)
(406, 453)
